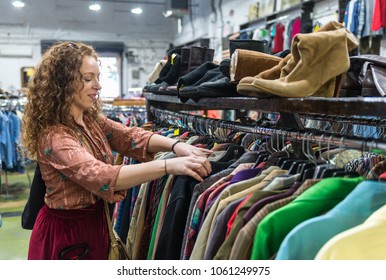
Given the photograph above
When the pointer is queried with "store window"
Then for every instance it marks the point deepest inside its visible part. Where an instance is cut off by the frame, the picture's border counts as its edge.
(110, 75)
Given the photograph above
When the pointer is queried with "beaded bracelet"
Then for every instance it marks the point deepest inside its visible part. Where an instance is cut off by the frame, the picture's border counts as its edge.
(175, 143)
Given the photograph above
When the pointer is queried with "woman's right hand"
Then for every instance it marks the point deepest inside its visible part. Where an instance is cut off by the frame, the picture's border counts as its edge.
(133, 175)
(194, 166)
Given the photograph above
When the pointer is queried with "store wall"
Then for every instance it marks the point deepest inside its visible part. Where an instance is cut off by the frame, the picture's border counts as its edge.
(325, 11)
(227, 18)
(213, 19)
(204, 22)
(137, 62)
(12, 58)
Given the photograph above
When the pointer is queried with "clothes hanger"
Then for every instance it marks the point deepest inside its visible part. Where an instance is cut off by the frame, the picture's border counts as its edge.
(232, 152)
(330, 170)
(224, 129)
(345, 173)
(325, 162)
(263, 154)
(309, 165)
(202, 128)
(287, 156)
(298, 165)
(278, 146)
(287, 163)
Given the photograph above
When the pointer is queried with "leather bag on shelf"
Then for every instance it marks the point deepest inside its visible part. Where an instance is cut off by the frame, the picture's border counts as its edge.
(366, 76)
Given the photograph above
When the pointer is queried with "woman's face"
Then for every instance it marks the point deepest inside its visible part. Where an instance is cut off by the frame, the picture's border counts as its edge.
(87, 90)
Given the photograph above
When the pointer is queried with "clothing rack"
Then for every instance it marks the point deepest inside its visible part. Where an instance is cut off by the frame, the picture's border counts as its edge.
(109, 108)
(272, 18)
(13, 102)
(207, 126)
(350, 120)
(348, 126)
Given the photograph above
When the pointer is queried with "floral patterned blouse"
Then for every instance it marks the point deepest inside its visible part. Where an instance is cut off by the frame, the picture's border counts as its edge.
(78, 166)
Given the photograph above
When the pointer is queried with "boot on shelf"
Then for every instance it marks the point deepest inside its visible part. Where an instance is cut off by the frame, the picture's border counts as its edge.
(310, 69)
(171, 89)
(244, 87)
(246, 63)
(313, 64)
(169, 73)
(185, 55)
(154, 74)
(198, 56)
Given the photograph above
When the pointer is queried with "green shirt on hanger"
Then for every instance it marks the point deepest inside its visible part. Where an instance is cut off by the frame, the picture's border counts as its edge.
(317, 200)
(198, 251)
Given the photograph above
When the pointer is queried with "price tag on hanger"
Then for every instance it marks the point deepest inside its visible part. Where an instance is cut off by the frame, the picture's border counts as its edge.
(177, 132)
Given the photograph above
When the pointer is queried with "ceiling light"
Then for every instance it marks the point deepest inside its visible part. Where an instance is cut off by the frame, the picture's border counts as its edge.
(18, 4)
(168, 13)
(136, 11)
(94, 7)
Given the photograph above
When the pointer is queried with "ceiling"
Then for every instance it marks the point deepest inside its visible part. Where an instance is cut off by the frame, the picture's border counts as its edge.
(71, 19)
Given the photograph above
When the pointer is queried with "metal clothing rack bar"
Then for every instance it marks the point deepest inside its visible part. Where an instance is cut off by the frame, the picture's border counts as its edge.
(208, 126)
(13, 102)
(369, 121)
(107, 108)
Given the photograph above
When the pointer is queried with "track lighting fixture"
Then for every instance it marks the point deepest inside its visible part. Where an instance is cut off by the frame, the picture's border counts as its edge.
(18, 4)
(94, 7)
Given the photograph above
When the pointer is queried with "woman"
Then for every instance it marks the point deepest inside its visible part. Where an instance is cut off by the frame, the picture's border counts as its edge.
(72, 142)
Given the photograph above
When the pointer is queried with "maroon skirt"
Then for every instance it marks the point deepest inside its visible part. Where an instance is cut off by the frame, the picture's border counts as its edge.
(70, 234)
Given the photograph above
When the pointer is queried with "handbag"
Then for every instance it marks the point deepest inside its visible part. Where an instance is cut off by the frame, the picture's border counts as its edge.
(366, 76)
(35, 200)
(117, 249)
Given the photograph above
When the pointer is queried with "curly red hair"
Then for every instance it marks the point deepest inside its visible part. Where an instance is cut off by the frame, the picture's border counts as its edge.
(51, 92)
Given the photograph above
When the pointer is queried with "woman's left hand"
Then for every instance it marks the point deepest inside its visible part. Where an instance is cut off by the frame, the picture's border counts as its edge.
(183, 149)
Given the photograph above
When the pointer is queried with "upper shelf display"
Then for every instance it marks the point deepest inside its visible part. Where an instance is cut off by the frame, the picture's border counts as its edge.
(358, 106)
